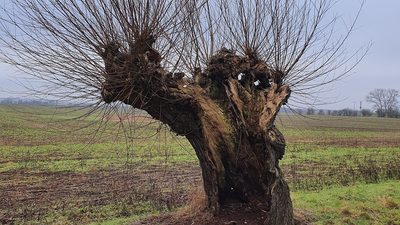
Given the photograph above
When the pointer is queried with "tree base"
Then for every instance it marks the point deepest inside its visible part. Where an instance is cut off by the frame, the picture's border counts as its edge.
(195, 213)
(232, 214)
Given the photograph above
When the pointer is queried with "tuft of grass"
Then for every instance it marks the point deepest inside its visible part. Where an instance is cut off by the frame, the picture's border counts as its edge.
(388, 202)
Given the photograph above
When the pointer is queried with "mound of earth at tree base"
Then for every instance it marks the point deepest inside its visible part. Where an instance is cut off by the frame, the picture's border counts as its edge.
(231, 214)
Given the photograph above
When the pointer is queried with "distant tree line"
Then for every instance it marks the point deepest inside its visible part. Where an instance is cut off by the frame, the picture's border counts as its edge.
(20, 101)
(385, 103)
(341, 112)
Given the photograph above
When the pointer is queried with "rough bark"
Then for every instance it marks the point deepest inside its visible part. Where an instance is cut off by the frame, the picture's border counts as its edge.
(226, 112)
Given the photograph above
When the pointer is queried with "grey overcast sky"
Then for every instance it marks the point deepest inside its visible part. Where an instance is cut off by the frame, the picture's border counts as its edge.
(379, 24)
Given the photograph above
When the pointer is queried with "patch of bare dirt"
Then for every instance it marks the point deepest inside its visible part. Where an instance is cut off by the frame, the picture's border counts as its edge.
(27, 194)
(367, 142)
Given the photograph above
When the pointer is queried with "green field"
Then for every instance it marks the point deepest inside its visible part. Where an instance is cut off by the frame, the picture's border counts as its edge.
(57, 168)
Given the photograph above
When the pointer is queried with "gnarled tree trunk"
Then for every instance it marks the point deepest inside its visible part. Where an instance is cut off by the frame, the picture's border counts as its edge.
(226, 111)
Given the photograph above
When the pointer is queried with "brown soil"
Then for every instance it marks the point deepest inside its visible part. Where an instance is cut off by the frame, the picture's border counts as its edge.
(27, 195)
(367, 142)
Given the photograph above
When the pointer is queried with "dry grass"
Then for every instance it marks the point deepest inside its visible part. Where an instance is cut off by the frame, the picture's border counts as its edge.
(195, 205)
(388, 202)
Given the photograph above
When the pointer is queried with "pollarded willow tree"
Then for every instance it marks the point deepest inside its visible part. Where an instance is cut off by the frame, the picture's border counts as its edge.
(217, 72)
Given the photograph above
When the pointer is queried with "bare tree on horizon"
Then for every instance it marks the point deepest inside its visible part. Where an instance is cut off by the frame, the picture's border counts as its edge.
(216, 72)
(385, 101)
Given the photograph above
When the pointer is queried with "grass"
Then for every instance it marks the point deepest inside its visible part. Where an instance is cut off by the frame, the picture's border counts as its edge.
(336, 155)
(358, 204)
(83, 158)
(54, 170)
(122, 213)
